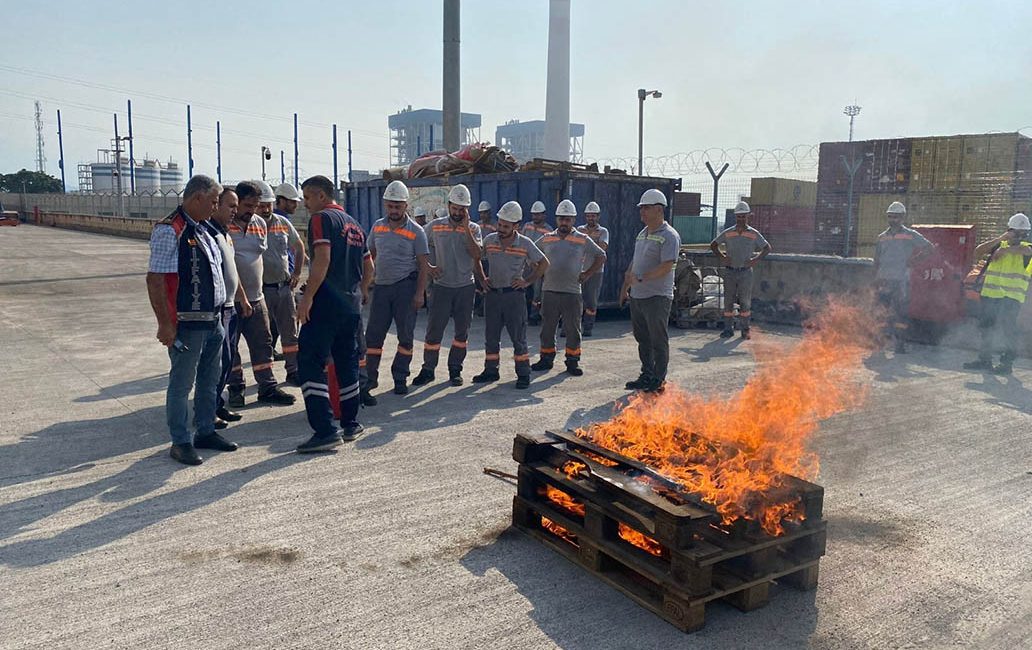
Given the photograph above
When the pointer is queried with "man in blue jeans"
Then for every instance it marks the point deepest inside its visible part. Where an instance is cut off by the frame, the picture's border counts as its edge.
(187, 293)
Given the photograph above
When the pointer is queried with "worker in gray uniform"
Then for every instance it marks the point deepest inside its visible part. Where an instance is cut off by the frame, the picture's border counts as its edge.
(898, 249)
(401, 257)
(537, 228)
(486, 228)
(745, 247)
(568, 251)
(508, 254)
(419, 215)
(593, 286)
(455, 243)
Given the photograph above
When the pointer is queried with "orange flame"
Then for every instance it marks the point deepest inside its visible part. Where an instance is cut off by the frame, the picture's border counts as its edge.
(644, 542)
(558, 530)
(735, 452)
(573, 468)
(563, 500)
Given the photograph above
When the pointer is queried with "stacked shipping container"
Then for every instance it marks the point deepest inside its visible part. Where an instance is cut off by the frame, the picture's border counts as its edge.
(783, 210)
(967, 179)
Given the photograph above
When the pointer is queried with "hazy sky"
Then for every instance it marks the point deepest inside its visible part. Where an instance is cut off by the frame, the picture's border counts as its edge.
(733, 74)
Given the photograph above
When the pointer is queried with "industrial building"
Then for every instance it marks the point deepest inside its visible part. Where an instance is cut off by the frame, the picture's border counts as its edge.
(415, 132)
(146, 177)
(526, 140)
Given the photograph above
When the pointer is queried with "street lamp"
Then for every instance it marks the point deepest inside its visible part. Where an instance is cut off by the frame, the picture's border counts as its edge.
(642, 95)
(852, 111)
(266, 155)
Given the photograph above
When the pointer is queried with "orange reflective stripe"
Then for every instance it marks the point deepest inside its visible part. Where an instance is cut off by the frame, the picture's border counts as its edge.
(591, 312)
(456, 343)
(238, 367)
(572, 352)
(729, 314)
(288, 349)
(403, 232)
(521, 357)
(405, 351)
(745, 314)
(261, 366)
(361, 363)
(492, 357)
(547, 350)
(374, 351)
(431, 346)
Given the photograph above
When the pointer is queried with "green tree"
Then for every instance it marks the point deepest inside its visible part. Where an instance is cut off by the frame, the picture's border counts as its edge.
(31, 182)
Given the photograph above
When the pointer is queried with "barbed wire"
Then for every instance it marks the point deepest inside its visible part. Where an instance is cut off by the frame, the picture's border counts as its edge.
(797, 159)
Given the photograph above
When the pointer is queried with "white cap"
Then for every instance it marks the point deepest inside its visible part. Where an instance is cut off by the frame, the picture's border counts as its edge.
(484, 207)
(441, 212)
(566, 208)
(267, 196)
(742, 208)
(420, 211)
(1019, 222)
(459, 195)
(896, 208)
(511, 212)
(537, 207)
(288, 191)
(396, 191)
(592, 208)
(652, 197)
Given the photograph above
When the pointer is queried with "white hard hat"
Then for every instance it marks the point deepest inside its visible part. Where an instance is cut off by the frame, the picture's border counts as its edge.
(592, 208)
(267, 195)
(459, 195)
(896, 208)
(1019, 222)
(420, 211)
(742, 208)
(566, 208)
(441, 212)
(652, 197)
(537, 207)
(396, 191)
(288, 191)
(511, 212)
(484, 207)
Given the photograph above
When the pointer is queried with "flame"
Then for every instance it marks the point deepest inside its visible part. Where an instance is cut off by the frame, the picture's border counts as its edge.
(563, 500)
(735, 452)
(601, 460)
(558, 530)
(573, 468)
(644, 542)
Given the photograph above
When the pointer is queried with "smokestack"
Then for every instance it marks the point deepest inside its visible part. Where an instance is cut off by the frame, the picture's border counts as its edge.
(450, 102)
(557, 98)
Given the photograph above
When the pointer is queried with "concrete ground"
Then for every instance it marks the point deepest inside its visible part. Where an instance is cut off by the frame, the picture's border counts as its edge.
(400, 541)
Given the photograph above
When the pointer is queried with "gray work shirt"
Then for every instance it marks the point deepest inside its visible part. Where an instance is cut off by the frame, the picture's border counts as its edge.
(282, 236)
(567, 258)
(249, 243)
(535, 231)
(448, 242)
(395, 249)
(599, 236)
(740, 246)
(894, 250)
(505, 263)
(650, 250)
(229, 271)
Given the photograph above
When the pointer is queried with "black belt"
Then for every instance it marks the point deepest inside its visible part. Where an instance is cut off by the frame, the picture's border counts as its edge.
(739, 268)
(275, 285)
(505, 290)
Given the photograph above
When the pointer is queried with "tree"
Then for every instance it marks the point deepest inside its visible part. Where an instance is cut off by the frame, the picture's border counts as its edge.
(31, 182)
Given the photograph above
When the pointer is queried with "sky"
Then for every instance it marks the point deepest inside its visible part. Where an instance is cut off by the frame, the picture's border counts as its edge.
(749, 75)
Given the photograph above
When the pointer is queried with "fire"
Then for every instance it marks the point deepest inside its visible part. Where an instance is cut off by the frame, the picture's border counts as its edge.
(573, 468)
(644, 542)
(563, 500)
(558, 530)
(734, 452)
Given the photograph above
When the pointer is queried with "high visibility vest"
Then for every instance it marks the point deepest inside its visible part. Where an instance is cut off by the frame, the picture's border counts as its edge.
(1007, 276)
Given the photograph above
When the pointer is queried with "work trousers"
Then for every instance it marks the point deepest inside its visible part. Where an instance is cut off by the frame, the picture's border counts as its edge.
(591, 289)
(448, 304)
(195, 364)
(255, 330)
(231, 327)
(738, 288)
(649, 318)
(998, 324)
(568, 307)
(327, 335)
(506, 308)
(391, 302)
(892, 294)
(360, 341)
(534, 300)
(283, 312)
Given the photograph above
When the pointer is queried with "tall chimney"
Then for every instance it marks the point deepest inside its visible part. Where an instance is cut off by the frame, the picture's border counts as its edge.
(557, 98)
(450, 103)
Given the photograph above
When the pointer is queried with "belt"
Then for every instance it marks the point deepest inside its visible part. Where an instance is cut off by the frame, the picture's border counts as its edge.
(506, 290)
(739, 268)
(275, 285)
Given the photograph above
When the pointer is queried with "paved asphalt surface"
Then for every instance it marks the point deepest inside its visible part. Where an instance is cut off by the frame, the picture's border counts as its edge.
(400, 541)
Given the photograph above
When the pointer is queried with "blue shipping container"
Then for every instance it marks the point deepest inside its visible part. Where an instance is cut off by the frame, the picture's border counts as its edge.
(617, 196)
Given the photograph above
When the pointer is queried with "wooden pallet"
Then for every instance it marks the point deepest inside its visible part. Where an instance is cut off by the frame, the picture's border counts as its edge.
(697, 562)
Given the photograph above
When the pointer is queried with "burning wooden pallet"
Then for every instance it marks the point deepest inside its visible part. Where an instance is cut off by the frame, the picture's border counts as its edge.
(645, 536)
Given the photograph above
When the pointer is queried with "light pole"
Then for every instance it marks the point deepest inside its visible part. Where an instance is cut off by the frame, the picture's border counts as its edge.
(642, 95)
(852, 111)
(266, 155)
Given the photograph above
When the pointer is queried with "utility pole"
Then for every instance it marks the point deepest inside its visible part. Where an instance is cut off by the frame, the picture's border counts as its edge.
(296, 183)
(851, 165)
(451, 115)
(41, 159)
(60, 149)
(189, 143)
(716, 182)
(642, 96)
(336, 181)
(132, 159)
(218, 150)
(852, 111)
(118, 170)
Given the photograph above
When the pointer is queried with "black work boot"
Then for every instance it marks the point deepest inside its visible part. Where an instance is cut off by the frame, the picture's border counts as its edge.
(487, 376)
(522, 382)
(746, 334)
(981, 363)
(366, 399)
(1006, 366)
(573, 367)
(400, 387)
(544, 363)
(727, 332)
(455, 377)
(424, 377)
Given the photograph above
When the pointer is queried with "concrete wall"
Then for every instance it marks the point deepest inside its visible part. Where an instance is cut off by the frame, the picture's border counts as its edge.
(139, 207)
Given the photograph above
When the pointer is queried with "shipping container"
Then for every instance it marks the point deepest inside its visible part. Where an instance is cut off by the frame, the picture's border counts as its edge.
(872, 221)
(783, 192)
(687, 204)
(693, 230)
(932, 207)
(616, 194)
(889, 169)
(830, 220)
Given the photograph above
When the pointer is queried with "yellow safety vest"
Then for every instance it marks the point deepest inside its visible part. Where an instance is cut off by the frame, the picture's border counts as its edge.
(1007, 276)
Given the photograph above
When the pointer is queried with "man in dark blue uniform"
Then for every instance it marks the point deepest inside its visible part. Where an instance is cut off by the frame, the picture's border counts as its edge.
(329, 316)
